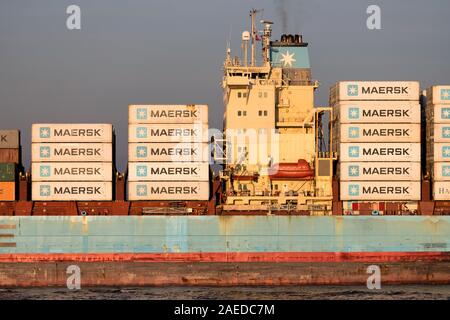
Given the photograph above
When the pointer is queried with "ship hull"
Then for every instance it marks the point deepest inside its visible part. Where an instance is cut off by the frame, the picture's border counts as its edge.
(222, 251)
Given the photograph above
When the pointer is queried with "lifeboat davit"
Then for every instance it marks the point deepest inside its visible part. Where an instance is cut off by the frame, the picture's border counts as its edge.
(291, 171)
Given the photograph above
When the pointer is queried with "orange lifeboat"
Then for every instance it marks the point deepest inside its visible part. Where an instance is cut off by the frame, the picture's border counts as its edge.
(291, 171)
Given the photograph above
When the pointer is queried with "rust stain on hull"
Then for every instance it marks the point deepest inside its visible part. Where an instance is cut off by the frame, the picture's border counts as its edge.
(221, 274)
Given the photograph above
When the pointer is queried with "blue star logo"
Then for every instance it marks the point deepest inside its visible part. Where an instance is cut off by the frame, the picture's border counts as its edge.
(141, 113)
(446, 170)
(446, 132)
(352, 90)
(141, 171)
(353, 190)
(445, 113)
(353, 152)
(446, 152)
(141, 132)
(44, 190)
(44, 132)
(44, 152)
(353, 132)
(445, 94)
(353, 113)
(141, 190)
(353, 171)
(44, 171)
(141, 152)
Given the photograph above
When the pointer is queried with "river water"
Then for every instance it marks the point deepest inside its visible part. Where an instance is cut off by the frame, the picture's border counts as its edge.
(416, 292)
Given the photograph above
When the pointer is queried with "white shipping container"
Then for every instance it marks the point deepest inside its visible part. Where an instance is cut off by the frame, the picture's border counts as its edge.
(383, 152)
(441, 171)
(377, 112)
(441, 133)
(380, 171)
(167, 152)
(441, 190)
(71, 152)
(393, 132)
(71, 191)
(168, 171)
(71, 171)
(438, 113)
(438, 95)
(380, 190)
(88, 132)
(168, 113)
(375, 90)
(197, 133)
(173, 190)
(441, 152)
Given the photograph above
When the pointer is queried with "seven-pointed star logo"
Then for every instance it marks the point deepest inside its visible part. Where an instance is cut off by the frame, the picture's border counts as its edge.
(141, 190)
(446, 152)
(446, 171)
(45, 171)
(353, 190)
(45, 190)
(44, 132)
(445, 94)
(353, 132)
(142, 114)
(353, 113)
(45, 152)
(353, 171)
(141, 132)
(287, 59)
(141, 171)
(446, 132)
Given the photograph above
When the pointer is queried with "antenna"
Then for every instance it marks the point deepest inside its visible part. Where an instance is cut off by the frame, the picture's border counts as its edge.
(253, 13)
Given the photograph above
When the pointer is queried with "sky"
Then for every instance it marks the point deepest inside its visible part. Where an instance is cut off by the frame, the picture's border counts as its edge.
(171, 52)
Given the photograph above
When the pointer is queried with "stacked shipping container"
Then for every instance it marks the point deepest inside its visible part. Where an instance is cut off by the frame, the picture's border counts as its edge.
(168, 152)
(377, 135)
(437, 113)
(72, 162)
(10, 162)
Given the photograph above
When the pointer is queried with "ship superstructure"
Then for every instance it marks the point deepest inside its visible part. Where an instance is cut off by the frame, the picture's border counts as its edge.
(275, 155)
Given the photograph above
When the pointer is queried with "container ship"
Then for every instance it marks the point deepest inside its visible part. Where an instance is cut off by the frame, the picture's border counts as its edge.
(305, 194)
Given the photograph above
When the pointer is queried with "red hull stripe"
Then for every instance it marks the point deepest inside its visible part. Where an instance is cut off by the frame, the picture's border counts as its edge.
(230, 257)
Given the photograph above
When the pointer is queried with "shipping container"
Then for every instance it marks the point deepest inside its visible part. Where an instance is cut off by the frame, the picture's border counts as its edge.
(441, 152)
(438, 113)
(71, 152)
(374, 90)
(8, 172)
(168, 171)
(7, 191)
(166, 152)
(393, 132)
(173, 190)
(377, 112)
(380, 190)
(197, 133)
(10, 156)
(379, 171)
(441, 171)
(71, 191)
(72, 171)
(438, 95)
(168, 113)
(441, 190)
(89, 132)
(383, 152)
(438, 133)
(9, 139)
